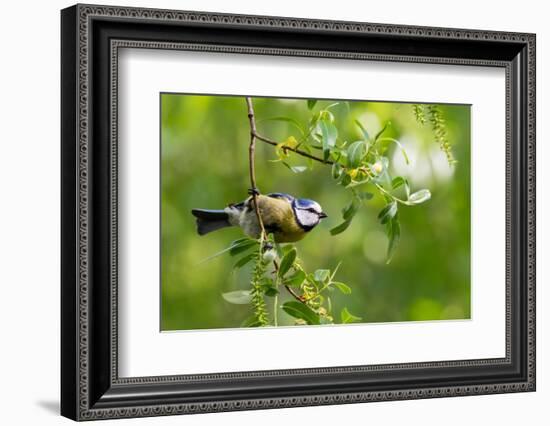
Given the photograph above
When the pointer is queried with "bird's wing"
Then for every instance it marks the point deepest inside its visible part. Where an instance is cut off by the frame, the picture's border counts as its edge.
(238, 206)
(275, 210)
(287, 197)
(276, 195)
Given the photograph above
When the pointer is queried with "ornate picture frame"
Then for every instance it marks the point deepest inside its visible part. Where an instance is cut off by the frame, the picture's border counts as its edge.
(91, 37)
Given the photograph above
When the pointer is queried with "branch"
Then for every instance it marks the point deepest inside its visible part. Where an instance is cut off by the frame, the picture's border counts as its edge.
(252, 169)
(296, 150)
(297, 297)
(292, 292)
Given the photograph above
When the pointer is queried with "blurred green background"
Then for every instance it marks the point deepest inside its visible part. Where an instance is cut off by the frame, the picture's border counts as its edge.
(204, 164)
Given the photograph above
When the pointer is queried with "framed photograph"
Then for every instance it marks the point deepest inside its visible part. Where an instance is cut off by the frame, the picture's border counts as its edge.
(263, 212)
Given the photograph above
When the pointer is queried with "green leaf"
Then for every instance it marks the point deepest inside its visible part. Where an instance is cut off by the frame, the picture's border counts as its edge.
(339, 152)
(242, 247)
(355, 183)
(397, 182)
(381, 131)
(363, 130)
(294, 169)
(321, 275)
(298, 169)
(405, 156)
(311, 103)
(239, 297)
(346, 180)
(420, 196)
(313, 121)
(240, 241)
(344, 288)
(364, 196)
(286, 262)
(350, 210)
(356, 152)
(286, 248)
(329, 134)
(296, 279)
(385, 146)
(388, 212)
(233, 246)
(326, 115)
(271, 291)
(335, 270)
(393, 230)
(347, 317)
(336, 170)
(244, 260)
(385, 175)
(340, 228)
(301, 311)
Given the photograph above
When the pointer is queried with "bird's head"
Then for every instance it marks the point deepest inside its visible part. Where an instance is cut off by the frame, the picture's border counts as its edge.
(308, 213)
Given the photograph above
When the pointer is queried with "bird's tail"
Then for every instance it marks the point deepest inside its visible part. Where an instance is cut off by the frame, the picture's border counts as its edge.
(210, 220)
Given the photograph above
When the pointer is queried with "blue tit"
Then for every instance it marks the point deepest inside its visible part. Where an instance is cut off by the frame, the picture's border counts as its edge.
(289, 219)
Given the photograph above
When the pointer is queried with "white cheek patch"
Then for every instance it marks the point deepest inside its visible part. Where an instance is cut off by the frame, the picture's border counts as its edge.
(307, 218)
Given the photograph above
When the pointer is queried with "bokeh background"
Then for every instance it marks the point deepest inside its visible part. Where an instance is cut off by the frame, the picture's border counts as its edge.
(204, 164)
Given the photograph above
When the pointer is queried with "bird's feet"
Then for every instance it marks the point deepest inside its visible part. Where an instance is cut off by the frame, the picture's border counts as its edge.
(254, 191)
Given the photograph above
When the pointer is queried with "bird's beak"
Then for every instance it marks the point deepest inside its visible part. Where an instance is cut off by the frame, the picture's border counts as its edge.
(322, 215)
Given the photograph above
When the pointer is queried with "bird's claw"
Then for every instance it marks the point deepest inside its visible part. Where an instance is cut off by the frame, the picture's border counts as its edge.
(254, 191)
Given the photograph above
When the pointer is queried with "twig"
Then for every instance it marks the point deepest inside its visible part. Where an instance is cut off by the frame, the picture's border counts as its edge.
(288, 148)
(297, 297)
(275, 315)
(393, 197)
(252, 170)
(292, 292)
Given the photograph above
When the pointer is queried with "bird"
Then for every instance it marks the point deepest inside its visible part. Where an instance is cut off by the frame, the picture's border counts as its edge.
(289, 219)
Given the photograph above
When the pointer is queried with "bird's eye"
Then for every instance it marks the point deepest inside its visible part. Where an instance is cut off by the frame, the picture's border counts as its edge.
(311, 210)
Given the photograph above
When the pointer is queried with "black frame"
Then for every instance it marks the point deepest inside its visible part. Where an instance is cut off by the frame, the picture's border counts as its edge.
(91, 37)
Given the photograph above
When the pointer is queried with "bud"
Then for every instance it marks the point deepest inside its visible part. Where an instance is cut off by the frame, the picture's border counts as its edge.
(377, 167)
(270, 255)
